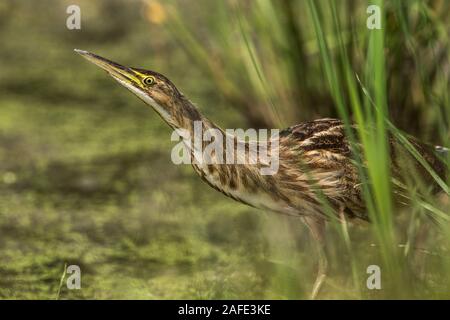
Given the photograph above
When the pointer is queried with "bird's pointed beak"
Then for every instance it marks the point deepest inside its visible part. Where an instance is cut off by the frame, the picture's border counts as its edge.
(116, 70)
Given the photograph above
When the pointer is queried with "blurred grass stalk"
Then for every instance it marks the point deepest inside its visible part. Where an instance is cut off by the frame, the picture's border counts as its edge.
(374, 128)
(260, 58)
(371, 129)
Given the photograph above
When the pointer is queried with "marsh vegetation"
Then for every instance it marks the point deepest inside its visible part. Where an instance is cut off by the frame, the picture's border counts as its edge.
(85, 170)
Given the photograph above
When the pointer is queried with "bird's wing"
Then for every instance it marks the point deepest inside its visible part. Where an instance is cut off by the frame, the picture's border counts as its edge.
(321, 149)
(306, 130)
(322, 134)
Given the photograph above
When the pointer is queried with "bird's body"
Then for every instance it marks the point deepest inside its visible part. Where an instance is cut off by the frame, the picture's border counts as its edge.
(316, 165)
(313, 156)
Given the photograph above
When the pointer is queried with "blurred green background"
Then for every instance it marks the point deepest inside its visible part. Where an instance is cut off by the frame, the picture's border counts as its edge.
(85, 170)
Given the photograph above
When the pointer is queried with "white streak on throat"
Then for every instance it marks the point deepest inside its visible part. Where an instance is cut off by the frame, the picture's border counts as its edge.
(147, 99)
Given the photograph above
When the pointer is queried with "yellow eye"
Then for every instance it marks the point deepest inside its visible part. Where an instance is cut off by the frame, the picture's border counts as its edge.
(149, 80)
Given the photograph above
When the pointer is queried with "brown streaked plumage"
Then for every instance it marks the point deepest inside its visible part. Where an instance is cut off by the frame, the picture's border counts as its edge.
(315, 159)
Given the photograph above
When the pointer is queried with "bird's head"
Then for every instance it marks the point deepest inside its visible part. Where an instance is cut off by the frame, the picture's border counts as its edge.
(152, 87)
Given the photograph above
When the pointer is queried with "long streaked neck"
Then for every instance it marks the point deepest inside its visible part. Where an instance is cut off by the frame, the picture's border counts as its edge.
(187, 117)
(191, 114)
(199, 131)
(213, 165)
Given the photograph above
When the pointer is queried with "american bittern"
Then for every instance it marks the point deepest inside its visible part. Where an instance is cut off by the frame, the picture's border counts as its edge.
(315, 160)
